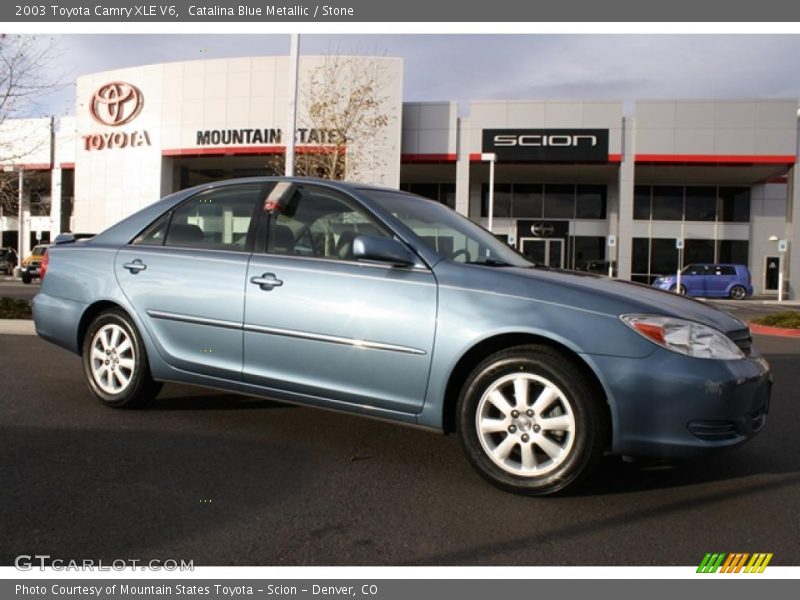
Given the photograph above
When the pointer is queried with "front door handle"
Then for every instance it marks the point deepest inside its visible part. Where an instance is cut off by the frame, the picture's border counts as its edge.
(135, 266)
(267, 281)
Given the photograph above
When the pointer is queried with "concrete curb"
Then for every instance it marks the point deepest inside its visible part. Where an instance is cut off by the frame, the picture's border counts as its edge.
(17, 327)
(774, 331)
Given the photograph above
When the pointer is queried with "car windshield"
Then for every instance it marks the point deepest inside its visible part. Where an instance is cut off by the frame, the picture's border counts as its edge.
(447, 232)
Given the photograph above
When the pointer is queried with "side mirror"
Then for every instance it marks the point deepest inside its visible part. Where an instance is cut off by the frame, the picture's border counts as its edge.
(381, 249)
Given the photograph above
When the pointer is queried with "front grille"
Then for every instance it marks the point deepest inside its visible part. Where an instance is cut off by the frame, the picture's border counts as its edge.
(713, 431)
(743, 339)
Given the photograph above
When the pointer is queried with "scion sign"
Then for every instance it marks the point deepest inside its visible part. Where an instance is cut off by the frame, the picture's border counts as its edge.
(547, 145)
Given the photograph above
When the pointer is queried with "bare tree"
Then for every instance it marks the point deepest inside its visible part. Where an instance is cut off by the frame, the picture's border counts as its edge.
(25, 77)
(344, 99)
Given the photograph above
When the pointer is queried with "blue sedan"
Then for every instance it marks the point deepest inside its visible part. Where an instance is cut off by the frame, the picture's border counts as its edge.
(381, 303)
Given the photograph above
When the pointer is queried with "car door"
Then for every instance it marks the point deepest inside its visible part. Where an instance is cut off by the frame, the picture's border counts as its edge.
(319, 323)
(692, 279)
(720, 279)
(185, 278)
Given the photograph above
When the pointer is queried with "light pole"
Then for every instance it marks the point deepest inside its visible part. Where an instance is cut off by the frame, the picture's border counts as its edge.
(294, 67)
(492, 158)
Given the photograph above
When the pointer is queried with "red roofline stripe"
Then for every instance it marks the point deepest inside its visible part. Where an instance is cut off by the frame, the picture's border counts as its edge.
(738, 159)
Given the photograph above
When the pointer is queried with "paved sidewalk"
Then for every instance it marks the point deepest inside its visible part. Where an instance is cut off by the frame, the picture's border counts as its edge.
(17, 327)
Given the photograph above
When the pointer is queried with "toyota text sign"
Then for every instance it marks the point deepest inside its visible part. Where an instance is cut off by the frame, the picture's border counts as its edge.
(547, 145)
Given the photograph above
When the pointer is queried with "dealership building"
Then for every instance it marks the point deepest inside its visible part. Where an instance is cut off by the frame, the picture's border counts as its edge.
(576, 184)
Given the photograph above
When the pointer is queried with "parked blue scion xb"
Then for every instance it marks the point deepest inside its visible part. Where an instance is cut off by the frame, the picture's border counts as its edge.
(385, 304)
(710, 280)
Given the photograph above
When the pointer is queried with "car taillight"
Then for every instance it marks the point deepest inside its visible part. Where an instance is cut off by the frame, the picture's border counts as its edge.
(43, 267)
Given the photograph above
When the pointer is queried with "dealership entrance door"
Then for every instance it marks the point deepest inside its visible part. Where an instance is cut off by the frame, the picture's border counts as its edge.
(771, 266)
(544, 251)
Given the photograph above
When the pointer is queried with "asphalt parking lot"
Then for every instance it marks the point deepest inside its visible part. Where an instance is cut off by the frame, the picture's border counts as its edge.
(227, 480)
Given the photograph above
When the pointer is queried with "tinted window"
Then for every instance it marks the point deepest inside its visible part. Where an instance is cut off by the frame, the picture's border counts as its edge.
(502, 200)
(663, 256)
(591, 202)
(696, 251)
(641, 255)
(701, 204)
(726, 271)
(528, 201)
(734, 204)
(667, 203)
(641, 202)
(216, 219)
(319, 223)
(155, 234)
(559, 201)
(733, 251)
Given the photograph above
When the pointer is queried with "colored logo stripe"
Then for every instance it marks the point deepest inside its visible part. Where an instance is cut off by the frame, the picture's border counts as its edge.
(734, 562)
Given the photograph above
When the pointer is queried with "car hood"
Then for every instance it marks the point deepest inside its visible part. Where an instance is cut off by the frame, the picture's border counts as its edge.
(590, 292)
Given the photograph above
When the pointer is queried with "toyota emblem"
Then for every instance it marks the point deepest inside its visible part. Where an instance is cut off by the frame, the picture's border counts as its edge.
(543, 229)
(116, 103)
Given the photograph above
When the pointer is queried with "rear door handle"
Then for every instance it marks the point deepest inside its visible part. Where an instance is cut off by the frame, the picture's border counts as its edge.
(267, 281)
(135, 266)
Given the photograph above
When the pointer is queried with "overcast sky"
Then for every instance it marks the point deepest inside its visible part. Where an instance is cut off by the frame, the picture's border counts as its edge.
(484, 67)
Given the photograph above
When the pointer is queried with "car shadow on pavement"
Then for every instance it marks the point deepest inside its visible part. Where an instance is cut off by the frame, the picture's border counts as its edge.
(203, 401)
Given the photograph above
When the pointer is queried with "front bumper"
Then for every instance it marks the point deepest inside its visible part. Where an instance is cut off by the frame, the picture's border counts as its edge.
(663, 285)
(671, 406)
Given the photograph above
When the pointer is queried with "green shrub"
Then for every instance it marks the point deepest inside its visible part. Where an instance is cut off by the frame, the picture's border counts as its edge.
(789, 319)
(13, 308)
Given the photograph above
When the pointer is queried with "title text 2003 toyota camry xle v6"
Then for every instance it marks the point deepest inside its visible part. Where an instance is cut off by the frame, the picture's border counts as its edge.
(386, 304)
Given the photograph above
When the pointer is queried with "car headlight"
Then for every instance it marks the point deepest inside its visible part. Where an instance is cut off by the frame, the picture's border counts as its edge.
(684, 337)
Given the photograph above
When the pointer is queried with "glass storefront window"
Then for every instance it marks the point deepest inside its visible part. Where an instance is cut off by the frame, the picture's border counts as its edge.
(591, 202)
(698, 251)
(559, 201)
(734, 204)
(733, 251)
(528, 201)
(701, 204)
(641, 202)
(667, 203)
(587, 249)
(641, 256)
(663, 256)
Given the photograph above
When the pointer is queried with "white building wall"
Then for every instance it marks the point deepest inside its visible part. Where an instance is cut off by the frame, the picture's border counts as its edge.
(183, 98)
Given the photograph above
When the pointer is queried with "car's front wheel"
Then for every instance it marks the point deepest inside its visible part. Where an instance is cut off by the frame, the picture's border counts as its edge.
(678, 289)
(115, 362)
(530, 421)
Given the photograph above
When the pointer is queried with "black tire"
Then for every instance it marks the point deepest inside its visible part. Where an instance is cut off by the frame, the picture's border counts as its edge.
(738, 293)
(26, 278)
(582, 446)
(140, 387)
(680, 290)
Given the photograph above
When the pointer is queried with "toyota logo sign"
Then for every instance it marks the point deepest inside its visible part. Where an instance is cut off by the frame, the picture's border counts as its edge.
(116, 103)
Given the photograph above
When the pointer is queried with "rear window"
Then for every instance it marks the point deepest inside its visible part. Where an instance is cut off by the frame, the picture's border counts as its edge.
(726, 271)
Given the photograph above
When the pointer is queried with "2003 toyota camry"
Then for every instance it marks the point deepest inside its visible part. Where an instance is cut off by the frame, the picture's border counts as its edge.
(382, 303)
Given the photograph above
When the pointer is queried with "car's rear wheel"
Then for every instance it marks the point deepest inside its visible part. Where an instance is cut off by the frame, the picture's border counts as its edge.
(680, 289)
(530, 421)
(115, 362)
(738, 292)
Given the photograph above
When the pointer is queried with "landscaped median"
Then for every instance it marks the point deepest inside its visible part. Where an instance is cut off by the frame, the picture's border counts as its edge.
(782, 324)
(16, 317)
(13, 308)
